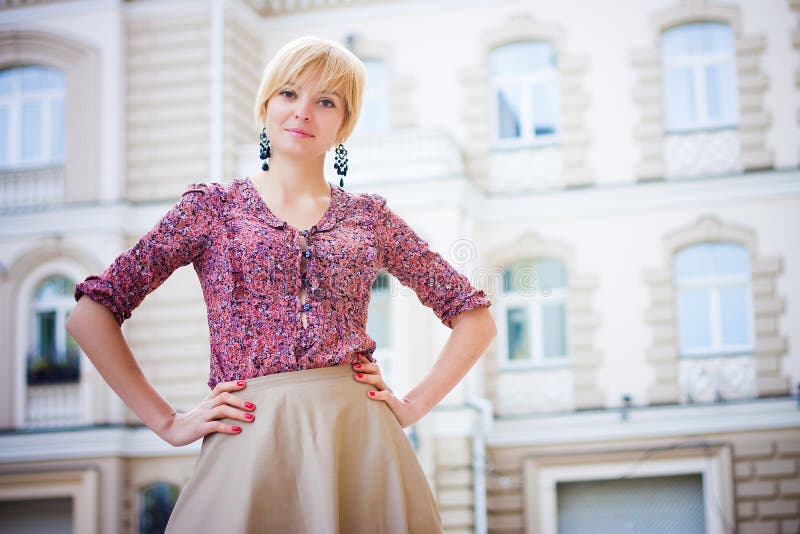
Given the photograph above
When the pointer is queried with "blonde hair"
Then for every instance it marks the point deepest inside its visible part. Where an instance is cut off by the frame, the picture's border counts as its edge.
(299, 60)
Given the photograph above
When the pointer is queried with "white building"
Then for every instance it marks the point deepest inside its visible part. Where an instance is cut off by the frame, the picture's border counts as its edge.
(621, 178)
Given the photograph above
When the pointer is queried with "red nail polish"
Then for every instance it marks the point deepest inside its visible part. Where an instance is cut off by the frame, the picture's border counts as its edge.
(248, 416)
(371, 393)
(357, 366)
(240, 383)
(359, 375)
(236, 429)
(249, 404)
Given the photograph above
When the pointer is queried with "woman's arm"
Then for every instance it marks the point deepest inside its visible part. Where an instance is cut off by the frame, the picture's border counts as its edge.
(96, 330)
(472, 332)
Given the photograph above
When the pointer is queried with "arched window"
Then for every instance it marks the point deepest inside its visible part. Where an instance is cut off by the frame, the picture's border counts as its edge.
(534, 303)
(375, 116)
(54, 356)
(714, 299)
(379, 321)
(525, 99)
(32, 117)
(700, 89)
(155, 506)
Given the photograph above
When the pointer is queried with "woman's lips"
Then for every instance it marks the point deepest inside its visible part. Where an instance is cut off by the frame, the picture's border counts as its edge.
(299, 133)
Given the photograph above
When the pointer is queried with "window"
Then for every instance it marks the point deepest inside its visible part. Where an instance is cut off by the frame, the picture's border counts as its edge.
(648, 504)
(714, 299)
(54, 356)
(155, 506)
(700, 90)
(379, 321)
(525, 100)
(375, 108)
(32, 116)
(535, 313)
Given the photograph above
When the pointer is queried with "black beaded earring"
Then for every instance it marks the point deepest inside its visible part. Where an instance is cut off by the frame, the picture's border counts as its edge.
(265, 152)
(341, 163)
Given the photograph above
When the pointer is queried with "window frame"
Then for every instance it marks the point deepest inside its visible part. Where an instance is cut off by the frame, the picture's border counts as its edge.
(713, 283)
(697, 63)
(14, 104)
(524, 82)
(533, 305)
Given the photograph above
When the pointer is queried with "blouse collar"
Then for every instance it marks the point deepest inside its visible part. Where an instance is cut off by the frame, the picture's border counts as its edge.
(332, 215)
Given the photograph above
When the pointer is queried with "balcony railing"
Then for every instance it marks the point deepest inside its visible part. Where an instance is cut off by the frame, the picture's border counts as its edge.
(22, 190)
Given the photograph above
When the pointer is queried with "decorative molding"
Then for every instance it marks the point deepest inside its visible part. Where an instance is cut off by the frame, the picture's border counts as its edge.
(401, 87)
(754, 120)
(80, 63)
(661, 315)
(571, 159)
(583, 322)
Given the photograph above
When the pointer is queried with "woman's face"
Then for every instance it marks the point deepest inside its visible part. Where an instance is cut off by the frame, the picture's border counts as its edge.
(306, 107)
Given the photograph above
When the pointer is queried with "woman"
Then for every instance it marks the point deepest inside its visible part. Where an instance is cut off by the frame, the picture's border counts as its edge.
(300, 432)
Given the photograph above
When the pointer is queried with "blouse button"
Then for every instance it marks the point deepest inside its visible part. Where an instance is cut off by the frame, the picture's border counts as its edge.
(306, 306)
(307, 283)
(304, 232)
(307, 253)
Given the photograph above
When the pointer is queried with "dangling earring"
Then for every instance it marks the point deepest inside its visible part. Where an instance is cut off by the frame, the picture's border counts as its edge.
(265, 152)
(341, 163)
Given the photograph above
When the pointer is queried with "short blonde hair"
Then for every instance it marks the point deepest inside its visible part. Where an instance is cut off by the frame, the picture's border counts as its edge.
(299, 60)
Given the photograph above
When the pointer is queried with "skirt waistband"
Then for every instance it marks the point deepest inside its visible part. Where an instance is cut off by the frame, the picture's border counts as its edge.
(333, 372)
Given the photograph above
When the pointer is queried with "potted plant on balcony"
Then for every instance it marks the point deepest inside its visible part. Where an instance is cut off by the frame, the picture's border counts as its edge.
(55, 368)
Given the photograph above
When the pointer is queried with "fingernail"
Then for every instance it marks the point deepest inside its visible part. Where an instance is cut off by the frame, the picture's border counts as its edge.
(371, 393)
(248, 416)
(240, 383)
(359, 375)
(236, 429)
(357, 366)
(249, 404)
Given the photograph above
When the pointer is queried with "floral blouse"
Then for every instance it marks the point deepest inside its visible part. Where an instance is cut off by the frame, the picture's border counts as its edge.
(281, 299)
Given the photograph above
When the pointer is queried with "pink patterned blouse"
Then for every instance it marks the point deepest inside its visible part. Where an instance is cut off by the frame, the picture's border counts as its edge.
(279, 299)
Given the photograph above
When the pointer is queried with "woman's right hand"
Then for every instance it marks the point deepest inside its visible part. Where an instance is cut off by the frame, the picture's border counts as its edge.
(185, 428)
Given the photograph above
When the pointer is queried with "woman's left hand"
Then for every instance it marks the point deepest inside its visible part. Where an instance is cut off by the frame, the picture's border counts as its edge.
(369, 373)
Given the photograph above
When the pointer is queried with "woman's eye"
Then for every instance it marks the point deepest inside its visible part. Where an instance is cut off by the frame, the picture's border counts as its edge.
(326, 101)
(285, 91)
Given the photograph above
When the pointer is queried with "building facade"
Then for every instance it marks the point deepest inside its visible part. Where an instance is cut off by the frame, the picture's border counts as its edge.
(622, 180)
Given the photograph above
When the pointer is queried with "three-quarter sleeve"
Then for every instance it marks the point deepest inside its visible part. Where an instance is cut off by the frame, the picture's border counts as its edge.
(408, 257)
(177, 239)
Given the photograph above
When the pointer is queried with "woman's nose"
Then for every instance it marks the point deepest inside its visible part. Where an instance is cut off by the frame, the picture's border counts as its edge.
(302, 111)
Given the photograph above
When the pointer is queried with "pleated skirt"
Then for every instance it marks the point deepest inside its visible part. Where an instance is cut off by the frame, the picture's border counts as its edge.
(320, 457)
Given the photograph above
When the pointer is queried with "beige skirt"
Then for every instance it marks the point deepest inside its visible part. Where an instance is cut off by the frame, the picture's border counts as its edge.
(319, 458)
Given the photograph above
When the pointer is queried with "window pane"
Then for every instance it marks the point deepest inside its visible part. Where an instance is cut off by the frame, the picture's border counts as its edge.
(696, 39)
(508, 112)
(4, 135)
(46, 325)
(719, 91)
(156, 504)
(34, 78)
(545, 109)
(551, 273)
(733, 311)
(694, 322)
(679, 96)
(6, 81)
(522, 58)
(31, 131)
(731, 258)
(694, 261)
(59, 131)
(379, 311)
(518, 339)
(554, 330)
(375, 110)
